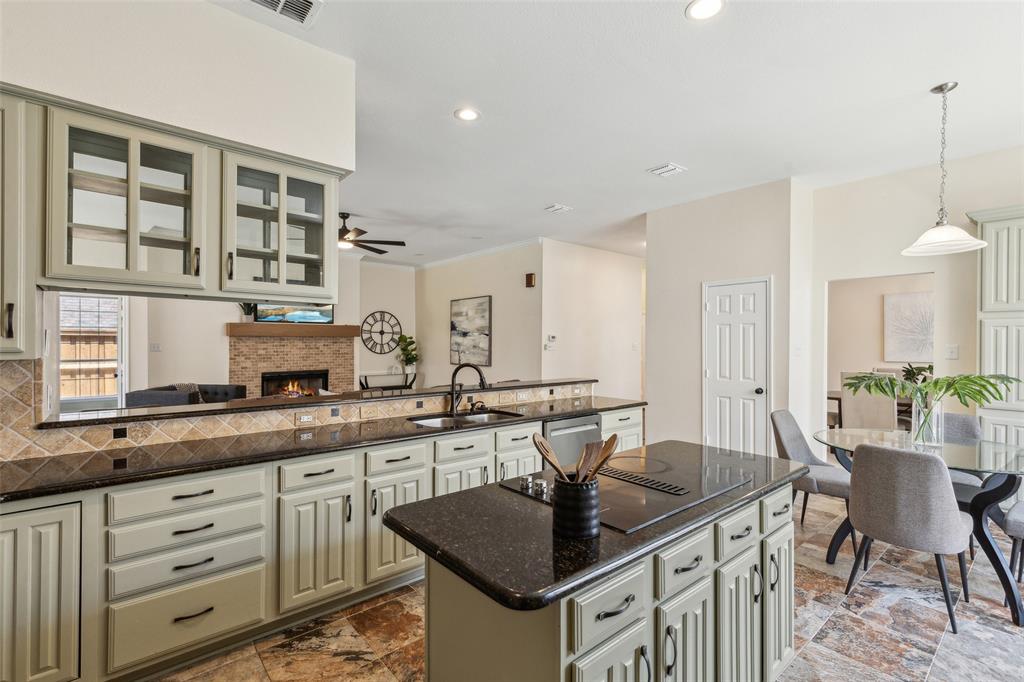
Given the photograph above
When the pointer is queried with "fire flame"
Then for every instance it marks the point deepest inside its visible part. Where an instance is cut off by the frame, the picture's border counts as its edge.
(294, 389)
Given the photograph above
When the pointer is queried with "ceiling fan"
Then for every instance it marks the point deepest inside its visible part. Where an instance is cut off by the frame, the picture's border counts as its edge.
(350, 236)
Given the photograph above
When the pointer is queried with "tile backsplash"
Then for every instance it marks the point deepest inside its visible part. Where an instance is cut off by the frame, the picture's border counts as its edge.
(21, 410)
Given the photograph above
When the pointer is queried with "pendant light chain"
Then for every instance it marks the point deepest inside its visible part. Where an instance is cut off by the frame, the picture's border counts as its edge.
(942, 165)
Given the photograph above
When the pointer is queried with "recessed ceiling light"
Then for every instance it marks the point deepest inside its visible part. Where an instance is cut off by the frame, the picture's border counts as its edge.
(698, 10)
(467, 114)
(558, 208)
(667, 170)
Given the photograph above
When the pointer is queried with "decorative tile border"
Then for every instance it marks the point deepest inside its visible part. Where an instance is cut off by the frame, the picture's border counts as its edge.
(21, 401)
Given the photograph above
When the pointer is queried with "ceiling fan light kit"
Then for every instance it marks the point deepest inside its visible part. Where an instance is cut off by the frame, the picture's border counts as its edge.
(943, 238)
(349, 237)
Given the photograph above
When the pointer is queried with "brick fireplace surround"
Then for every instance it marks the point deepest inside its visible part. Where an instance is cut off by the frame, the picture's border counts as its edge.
(250, 356)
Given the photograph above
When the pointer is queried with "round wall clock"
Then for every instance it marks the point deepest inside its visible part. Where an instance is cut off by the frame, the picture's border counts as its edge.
(380, 332)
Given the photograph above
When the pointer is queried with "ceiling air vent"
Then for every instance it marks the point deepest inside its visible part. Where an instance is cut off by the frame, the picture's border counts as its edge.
(302, 11)
(669, 169)
(558, 208)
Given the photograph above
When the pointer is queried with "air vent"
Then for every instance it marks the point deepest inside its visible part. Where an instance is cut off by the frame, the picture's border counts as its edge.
(302, 11)
(669, 169)
(558, 208)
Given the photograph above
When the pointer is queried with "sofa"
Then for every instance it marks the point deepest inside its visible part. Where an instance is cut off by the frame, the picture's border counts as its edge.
(183, 394)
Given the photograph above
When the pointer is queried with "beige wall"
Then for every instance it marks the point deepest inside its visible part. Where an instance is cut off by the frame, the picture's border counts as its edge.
(738, 234)
(855, 322)
(391, 288)
(516, 312)
(192, 339)
(861, 227)
(189, 64)
(592, 303)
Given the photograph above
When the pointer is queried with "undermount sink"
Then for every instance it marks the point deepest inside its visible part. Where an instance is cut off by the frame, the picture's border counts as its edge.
(488, 417)
(464, 419)
(437, 422)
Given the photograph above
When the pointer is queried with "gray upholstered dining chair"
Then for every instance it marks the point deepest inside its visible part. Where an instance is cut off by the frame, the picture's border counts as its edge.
(962, 428)
(905, 498)
(1013, 525)
(823, 478)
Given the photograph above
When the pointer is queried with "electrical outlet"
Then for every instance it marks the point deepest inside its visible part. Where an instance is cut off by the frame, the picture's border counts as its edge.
(304, 436)
(522, 396)
(577, 390)
(154, 348)
(303, 418)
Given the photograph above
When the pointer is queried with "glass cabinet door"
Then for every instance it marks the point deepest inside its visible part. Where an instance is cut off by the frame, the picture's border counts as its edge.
(131, 209)
(277, 223)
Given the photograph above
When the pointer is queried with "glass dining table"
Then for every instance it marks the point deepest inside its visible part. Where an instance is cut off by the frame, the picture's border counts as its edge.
(999, 466)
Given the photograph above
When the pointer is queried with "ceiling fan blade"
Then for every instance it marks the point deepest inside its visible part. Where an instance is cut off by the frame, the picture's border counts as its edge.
(350, 233)
(369, 248)
(377, 241)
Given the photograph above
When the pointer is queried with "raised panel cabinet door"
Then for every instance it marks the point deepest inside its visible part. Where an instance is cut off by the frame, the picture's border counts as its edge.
(15, 289)
(685, 634)
(626, 657)
(739, 594)
(777, 563)
(1002, 280)
(447, 478)
(127, 204)
(476, 473)
(506, 465)
(1002, 352)
(316, 544)
(39, 587)
(279, 229)
(386, 553)
(529, 462)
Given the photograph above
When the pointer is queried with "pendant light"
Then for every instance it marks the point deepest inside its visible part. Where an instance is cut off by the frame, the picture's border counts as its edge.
(943, 238)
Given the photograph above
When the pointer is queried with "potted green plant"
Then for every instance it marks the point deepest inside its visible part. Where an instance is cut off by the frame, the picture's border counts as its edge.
(408, 353)
(926, 394)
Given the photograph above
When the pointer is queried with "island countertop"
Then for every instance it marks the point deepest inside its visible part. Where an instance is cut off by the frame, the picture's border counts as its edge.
(501, 542)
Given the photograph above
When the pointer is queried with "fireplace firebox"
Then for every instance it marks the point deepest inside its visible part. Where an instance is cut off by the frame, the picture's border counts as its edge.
(294, 384)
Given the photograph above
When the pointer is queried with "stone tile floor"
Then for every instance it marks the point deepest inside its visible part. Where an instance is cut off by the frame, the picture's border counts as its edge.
(892, 626)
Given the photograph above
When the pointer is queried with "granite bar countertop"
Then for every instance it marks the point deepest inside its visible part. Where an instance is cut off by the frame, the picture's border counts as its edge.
(39, 476)
(135, 414)
(501, 542)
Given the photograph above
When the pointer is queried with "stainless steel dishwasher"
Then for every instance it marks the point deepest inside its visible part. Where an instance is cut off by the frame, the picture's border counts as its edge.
(568, 436)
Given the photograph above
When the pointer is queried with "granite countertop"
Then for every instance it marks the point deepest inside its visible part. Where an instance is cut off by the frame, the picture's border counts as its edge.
(501, 542)
(39, 476)
(135, 414)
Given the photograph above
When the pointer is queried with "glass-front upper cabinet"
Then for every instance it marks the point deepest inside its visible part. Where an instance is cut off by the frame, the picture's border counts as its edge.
(126, 203)
(280, 229)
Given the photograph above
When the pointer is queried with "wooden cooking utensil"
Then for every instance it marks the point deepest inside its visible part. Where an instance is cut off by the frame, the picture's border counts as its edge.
(581, 460)
(545, 450)
(606, 451)
(591, 451)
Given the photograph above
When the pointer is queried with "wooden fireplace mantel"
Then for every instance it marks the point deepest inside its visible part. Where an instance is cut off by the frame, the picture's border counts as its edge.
(291, 330)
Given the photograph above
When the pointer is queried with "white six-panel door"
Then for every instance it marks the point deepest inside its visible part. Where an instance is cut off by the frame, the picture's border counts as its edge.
(736, 366)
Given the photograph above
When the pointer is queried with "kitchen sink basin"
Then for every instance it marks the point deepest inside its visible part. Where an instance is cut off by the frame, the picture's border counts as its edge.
(437, 422)
(488, 417)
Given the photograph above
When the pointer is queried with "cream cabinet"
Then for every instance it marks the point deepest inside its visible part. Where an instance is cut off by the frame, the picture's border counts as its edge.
(628, 425)
(686, 634)
(317, 544)
(386, 553)
(1002, 343)
(17, 259)
(126, 204)
(1002, 262)
(739, 602)
(279, 229)
(623, 658)
(39, 591)
(778, 647)
(516, 463)
(452, 477)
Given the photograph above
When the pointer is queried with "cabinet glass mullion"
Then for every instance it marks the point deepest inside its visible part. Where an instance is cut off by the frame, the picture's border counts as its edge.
(258, 215)
(97, 199)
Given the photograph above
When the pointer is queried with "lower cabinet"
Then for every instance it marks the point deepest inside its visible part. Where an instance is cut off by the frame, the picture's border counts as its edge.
(463, 475)
(628, 425)
(517, 463)
(739, 595)
(316, 544)
(685, 633)
(386, 553)
(777, 564)
(626, 657)
(39, 608)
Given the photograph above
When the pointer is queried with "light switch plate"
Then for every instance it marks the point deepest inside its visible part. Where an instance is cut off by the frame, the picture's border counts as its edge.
(953, 351)
(522, 396)
(304, 418)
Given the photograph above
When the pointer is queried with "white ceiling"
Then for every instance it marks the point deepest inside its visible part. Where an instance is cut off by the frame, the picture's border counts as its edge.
(579, 99)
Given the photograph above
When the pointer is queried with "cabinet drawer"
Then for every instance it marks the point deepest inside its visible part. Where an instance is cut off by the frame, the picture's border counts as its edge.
(605, 608)
(467, 446)
(317, 472)
(168, 568)
(620, 658)
(516, 439)
(157, 624)
(736, 531)
(393, 459)
(171, 497)
(683, 563)
(613, 421)
(776, 509)
(183, 529)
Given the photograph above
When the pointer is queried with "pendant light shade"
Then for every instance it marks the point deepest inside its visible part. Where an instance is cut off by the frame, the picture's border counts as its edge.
(944, 238)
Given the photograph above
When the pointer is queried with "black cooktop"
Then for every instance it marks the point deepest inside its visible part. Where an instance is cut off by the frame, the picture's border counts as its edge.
(638, 488)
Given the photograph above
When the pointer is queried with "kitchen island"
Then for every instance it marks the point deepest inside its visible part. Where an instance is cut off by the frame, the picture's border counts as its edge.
(703, 593)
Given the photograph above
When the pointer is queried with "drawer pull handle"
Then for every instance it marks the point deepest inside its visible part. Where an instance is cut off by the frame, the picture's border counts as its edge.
(740, 536)
(760, 583)
(486, 474)
(397, 459)
(778, 574)
(519, 438)
(624, 419)
(647, 661)
(501, 471)
(198, 563)
(373, 503)
(686, 569)
(193, 530)
(348, 508)
(311, 474)
(191, 495)
(630, 598)
(464, 447)
(9, 331)
(670, 634)
(205, 611)
(231, 264)
(782, 511)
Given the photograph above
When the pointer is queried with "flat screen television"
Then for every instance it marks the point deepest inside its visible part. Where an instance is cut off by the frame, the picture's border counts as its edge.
(304, 314)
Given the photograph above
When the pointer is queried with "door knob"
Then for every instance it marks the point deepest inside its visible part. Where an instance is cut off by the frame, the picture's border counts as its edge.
(759, 390)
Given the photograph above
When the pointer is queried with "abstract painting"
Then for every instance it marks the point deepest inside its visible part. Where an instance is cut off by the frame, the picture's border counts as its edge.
(471, 331)
(909, 327)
